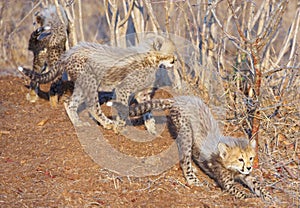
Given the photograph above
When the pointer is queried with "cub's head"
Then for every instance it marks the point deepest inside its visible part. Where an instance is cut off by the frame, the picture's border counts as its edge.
(49, 15)
(167, 60)
(158, 59)
(237, 158)
(39, 39)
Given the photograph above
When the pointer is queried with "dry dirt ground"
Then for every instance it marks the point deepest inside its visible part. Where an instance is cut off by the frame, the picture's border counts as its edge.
(43, 164)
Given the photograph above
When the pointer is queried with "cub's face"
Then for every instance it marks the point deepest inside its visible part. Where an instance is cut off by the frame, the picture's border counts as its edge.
(167, 60)
(238, 159)
(39, 39)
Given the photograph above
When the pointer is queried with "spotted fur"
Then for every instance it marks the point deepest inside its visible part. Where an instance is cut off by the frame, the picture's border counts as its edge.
(225, 159)
(39, 49)
(53, 35)
(126, 81)
(94, 67)
(48, 41)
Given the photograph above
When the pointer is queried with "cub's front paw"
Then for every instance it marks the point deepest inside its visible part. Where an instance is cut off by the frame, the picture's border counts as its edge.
(31, 96)
(53, 101)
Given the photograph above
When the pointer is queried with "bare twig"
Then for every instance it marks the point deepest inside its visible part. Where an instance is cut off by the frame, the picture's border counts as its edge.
(272, 71)
(123, 21)
(112, 7)
(21, 22)
(71, 25)
(80, 20)
(152, 16)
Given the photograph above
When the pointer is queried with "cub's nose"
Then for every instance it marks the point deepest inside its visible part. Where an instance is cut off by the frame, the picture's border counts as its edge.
(249, 168)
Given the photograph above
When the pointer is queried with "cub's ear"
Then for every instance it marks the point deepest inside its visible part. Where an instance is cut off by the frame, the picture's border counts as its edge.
(157, 43)
(252, 143)
(223, 150)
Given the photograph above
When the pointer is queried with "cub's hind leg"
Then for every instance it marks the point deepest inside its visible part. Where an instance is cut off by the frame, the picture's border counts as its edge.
(89, 84)
(72, 105)
(149, 121)
(124, 95)
(184, 142)
(137, 82)
(98, 114)
(84, 92)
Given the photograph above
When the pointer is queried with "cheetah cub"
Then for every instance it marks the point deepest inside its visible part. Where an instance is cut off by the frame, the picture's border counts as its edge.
(225, 159)
(48, 43)
(94, 67)
(40, 53)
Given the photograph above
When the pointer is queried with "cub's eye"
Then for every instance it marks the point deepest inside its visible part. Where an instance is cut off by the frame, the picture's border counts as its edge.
(241, 160)
(251, 158)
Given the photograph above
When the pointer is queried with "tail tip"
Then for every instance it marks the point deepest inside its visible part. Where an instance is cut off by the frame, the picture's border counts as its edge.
(47, 28)
(20, 68)
(109, 103)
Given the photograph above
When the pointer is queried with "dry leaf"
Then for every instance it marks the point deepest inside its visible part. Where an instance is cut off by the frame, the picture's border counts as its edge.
(43, 122)
(282, 139)
(4, 132)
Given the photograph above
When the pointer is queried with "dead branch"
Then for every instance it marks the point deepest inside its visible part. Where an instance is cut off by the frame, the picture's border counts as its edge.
(152, 16)
(122, 22)
(271, 26)
(25, 17)
(235, 18)
(297, 20)
(113, 9)
(138, 20)
(273, 71)
(58, 10)
(71, 23)
(80, 20)
(186, 19)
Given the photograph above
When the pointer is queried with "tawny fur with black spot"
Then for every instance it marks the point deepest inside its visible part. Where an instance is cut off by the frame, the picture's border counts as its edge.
(94, 67)
(225, 159)
(48, 41)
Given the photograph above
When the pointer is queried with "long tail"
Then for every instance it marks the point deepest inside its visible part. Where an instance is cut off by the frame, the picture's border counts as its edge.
(41, 78)
(157, 104)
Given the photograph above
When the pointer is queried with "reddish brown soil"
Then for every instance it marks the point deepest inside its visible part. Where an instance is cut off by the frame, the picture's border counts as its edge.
(42, 164)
